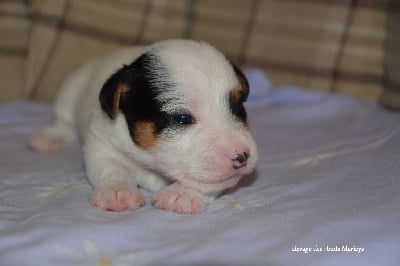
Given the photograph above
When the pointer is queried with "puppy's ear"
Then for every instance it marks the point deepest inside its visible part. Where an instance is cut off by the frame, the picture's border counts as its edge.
(244, 83)
(113, 89)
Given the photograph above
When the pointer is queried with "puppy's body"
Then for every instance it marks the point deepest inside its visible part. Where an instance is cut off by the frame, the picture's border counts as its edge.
(170, 120)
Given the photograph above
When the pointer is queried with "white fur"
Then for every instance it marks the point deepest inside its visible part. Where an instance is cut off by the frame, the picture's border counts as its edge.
(199, 160)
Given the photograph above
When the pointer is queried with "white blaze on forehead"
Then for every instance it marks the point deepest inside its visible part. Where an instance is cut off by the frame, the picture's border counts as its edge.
(199, 72)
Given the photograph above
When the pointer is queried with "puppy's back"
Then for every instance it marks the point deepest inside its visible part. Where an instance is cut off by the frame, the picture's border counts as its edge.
(77, 98)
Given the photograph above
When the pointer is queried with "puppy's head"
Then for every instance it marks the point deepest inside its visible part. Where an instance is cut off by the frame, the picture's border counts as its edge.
(183, 105)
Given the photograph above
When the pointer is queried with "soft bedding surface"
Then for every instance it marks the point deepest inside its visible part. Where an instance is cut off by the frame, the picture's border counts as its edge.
(325, 192)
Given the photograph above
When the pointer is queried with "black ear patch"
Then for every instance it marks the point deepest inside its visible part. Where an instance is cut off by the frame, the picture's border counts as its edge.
(238, 95)
(133, 90)
(116, 86)
(244, 83)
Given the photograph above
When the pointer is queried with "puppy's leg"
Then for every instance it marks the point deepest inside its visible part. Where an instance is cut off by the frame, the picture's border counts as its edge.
(53, 137)
(117, 197)
(115, 188)
(178, 198)
(63, 130)
(149, 180)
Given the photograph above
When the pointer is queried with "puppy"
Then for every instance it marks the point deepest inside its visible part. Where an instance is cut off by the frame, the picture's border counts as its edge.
(172, 121)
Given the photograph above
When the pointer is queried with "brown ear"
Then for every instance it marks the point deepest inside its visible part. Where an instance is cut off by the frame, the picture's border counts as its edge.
(111, 92)
(244, 84)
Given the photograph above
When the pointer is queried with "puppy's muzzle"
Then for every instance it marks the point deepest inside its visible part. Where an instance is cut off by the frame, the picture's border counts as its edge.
(240, 160)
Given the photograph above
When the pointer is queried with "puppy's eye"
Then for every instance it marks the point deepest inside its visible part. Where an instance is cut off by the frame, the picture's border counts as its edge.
(184, 119)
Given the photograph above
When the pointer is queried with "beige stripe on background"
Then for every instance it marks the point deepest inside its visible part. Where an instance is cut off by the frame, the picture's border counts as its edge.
(301, 34)
(166, 20)
(14, 36)
(118, 17)
(321, 44)
(223, 27)
(363, 54)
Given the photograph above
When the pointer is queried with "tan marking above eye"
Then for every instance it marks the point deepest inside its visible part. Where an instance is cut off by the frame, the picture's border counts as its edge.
(144, 134)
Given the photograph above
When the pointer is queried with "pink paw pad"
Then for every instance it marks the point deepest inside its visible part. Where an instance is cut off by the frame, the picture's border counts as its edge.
(45, 144)
(178, 199)
(117, 199)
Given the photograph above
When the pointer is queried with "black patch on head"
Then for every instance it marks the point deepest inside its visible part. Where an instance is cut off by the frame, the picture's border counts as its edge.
(145, 78)
(237, 108)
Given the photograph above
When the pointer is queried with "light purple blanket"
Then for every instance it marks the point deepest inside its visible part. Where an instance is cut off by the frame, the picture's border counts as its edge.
(326, 192)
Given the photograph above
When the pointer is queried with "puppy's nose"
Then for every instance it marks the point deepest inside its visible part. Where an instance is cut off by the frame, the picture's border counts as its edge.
(240, 159)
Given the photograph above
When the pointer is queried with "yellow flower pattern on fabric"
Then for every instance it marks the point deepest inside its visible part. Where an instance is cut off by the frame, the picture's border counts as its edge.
(314, 159)
(250, 201)
(90, 256)
(57, 189)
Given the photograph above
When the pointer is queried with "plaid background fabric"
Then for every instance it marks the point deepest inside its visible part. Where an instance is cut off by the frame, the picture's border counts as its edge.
(347, 46)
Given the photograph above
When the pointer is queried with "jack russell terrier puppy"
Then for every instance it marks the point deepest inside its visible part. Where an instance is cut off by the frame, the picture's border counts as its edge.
(172, 121)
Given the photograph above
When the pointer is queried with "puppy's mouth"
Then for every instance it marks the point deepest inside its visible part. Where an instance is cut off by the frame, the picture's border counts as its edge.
(219, 181)
(211, 186)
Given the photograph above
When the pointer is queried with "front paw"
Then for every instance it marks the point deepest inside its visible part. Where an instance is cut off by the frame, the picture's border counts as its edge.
(178, 199)
(117, 198)
(45, 144)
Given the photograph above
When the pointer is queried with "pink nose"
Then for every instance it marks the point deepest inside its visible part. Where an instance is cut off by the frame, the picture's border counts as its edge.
(239, 160)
